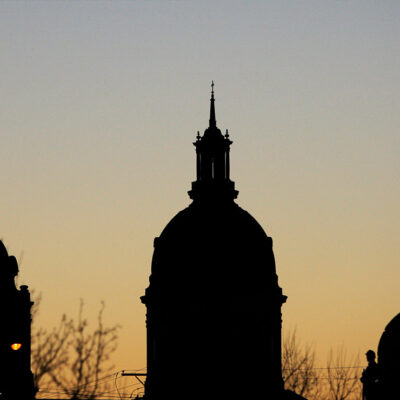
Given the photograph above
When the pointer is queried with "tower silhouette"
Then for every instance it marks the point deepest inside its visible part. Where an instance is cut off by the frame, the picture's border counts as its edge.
(16, 379)
(213, 302)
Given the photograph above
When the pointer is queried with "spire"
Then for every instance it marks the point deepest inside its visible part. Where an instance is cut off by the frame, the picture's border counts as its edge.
(213, 122)
(212, 162)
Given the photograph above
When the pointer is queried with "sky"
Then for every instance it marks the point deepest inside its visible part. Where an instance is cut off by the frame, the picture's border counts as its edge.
(100, 104)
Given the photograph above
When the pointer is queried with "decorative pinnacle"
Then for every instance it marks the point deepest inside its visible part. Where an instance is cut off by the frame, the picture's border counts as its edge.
(213, 122)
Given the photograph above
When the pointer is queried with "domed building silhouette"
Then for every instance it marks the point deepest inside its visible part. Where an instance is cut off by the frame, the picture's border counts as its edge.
(389, 358)
(213, 303)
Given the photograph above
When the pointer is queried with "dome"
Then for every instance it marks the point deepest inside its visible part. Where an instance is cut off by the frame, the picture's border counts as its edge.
(389, 344)
(205, 247)
(3, 251)
(389, 357)
(213, 297)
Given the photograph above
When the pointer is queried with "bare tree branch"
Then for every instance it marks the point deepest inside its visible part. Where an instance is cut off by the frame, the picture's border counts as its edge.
(343, 376)
(298, 367)
(73, 358)
(49, 349)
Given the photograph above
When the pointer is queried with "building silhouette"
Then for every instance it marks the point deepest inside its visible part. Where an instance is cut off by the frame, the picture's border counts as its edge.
(213, 302)
(389, 359)
(16, 379)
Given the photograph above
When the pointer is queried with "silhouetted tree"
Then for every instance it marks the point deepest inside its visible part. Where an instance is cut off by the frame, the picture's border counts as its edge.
(49, 349)
(343, 376)
(339, 380)
(298, 367)
(71, 357)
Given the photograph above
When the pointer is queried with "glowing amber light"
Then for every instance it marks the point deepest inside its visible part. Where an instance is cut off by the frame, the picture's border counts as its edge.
(16, 346)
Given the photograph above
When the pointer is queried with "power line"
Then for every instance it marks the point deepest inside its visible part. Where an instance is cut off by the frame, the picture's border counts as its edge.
(68, 392)
(104, 379)
(308, 369)
(88, 396)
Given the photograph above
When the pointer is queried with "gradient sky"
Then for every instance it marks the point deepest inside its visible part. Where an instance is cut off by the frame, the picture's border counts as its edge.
(100, 104)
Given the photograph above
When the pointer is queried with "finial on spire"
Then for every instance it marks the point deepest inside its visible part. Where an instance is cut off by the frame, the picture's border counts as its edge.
(213, 121)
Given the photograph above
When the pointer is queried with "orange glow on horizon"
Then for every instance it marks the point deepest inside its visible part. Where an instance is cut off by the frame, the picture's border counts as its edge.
(16, 346)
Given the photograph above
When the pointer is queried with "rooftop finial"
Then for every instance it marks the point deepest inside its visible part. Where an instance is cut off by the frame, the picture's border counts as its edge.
(213, 121)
